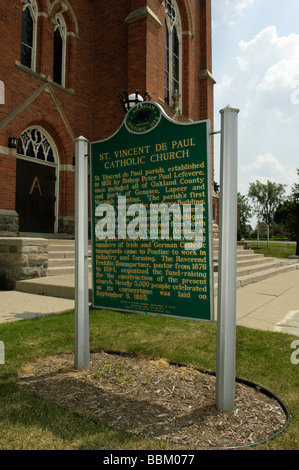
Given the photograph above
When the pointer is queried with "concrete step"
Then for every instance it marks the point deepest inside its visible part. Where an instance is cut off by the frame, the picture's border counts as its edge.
(251, 267)
(267, 264)
(63, 286)
(61, 270)
(254, 261)
(260, 275)
(62, 257)
(58, 262)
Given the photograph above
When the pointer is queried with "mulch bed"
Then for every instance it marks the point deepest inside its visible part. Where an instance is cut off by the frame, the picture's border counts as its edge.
(155, 398)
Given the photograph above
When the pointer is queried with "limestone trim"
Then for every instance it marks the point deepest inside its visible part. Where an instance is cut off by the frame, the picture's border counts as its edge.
(65, 7)
(30, 99)
(70, 168)
(144, 12)
(205, 74)
(7, 151)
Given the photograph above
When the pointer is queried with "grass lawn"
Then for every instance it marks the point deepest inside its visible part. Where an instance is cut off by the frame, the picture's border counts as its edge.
(275, 249)
(30, 423)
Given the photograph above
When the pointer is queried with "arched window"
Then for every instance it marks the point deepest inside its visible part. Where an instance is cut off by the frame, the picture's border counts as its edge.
(173, 53)
(59, 50)
(35, 143)
(28, 41)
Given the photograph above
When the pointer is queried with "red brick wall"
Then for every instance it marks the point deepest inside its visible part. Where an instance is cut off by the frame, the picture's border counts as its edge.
(105, 55)
(7, 181)
(46, 110)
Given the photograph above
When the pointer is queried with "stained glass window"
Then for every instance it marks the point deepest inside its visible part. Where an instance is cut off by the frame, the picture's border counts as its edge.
(59, 50)
(172, 59)
(28, 33)
(34, 143)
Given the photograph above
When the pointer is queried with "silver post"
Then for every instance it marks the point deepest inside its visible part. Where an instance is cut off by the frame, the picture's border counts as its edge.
(226, 316)
(82, 352)
(2, 353)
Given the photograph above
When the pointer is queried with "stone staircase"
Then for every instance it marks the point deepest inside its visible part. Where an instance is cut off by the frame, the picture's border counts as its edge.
(251, 268)
(62, 257)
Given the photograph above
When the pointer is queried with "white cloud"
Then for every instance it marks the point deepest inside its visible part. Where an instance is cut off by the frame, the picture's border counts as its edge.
(266, 166)
(272, 63)
(259, 74)
(229, 12)
(224, 86)
(240, 7)
(266, 78)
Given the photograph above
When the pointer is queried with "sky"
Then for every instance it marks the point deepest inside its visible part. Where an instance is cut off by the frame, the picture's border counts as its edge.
(256, 68)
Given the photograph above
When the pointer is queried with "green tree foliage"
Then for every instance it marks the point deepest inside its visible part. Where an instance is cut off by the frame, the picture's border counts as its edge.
(266, 198)
(245, 213)
(285, 216)
(295, 188)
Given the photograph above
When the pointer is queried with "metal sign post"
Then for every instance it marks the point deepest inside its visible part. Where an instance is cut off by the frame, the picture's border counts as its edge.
(82, 353)
(2, 353)
(226, 316)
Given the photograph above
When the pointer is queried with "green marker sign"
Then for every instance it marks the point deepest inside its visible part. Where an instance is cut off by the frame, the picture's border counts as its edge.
(152, 217)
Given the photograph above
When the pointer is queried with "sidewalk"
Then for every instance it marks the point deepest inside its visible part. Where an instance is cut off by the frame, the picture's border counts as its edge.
(271, 304)
(18, 305)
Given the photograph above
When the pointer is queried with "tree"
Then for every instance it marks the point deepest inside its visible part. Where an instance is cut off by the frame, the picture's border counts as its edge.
(295, 195)
(245, 213)
(295, 188)
(285, 216)
(266, 198)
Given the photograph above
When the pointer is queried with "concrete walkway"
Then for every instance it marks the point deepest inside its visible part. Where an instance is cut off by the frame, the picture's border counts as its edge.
(271, 304)
(19, 305)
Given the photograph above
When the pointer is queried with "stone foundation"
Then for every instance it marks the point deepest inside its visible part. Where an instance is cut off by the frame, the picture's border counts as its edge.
(9, 223)
(67, 225)
(215, 231)
(22, 258)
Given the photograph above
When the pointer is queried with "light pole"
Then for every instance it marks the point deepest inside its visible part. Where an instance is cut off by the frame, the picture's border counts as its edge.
(128, 101)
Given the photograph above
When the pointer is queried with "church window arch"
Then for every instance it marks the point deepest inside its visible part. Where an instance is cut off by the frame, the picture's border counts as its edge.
(59, 58)
(173, 55)
(29, 33)
(36, 143)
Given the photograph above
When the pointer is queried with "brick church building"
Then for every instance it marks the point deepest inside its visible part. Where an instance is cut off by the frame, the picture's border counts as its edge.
(63, 65)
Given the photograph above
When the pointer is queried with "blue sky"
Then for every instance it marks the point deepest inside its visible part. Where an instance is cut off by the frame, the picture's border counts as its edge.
(256, 67)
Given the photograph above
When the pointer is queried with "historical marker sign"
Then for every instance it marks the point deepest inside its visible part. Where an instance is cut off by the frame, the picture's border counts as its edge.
(151, 216)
